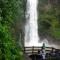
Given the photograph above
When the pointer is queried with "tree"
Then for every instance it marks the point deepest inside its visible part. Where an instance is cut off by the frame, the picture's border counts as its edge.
(8, 13)
(49, 18)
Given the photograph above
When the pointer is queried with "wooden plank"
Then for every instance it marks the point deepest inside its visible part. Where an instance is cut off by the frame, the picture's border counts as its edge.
(32, 50)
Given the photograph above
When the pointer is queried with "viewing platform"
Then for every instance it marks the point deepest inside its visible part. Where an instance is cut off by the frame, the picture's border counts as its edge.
(32, 52)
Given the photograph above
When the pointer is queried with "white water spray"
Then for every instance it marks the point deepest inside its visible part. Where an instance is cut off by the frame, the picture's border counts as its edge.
(31, 27)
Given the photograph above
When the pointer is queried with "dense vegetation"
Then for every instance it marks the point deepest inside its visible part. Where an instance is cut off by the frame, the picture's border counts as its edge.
(49, 18)
(11, 11)
(12, 18)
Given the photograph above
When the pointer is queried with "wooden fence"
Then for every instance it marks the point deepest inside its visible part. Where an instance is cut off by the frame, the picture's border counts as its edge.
(34, 50)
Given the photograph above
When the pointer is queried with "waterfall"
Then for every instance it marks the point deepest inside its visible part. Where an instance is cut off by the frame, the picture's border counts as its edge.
(31, 27)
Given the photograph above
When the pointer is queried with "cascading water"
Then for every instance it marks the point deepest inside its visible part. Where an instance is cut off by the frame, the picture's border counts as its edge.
(31, 27)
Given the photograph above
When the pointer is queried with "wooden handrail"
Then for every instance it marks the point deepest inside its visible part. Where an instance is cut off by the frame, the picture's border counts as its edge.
(31, 50)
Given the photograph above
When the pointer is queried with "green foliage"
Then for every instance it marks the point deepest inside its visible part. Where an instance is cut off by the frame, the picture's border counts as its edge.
(56, 33)
(8, 13)
(49, 19)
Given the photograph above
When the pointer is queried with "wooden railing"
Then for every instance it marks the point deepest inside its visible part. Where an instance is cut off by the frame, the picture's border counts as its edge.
(34, 50)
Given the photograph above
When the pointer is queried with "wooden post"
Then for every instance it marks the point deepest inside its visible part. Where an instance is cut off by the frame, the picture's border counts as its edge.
(33, 50)
(24, 49)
